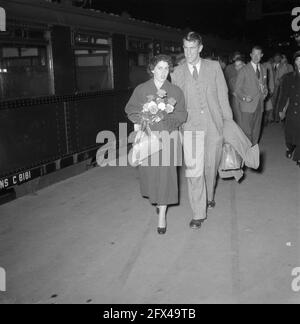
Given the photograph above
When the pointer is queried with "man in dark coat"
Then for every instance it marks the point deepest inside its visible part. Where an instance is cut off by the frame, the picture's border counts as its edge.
(289, 107)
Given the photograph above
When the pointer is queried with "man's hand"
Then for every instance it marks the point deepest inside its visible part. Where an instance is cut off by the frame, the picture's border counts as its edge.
(248, 99)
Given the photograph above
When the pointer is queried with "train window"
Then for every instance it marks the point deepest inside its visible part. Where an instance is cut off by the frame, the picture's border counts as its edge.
(172, 48)
(93, 62)
(24, 71)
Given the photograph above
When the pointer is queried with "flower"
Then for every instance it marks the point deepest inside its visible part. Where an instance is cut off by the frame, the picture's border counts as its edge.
(153, 108)
(169, 109)
(156, 108)
(146, 107)
(161, 106)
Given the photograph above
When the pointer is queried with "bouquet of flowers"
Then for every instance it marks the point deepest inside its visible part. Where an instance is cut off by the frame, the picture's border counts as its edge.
(154, 110)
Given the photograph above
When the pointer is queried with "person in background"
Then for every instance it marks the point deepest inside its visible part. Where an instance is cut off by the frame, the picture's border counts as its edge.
(159, 183)
(231, 77)
(251, 91)
(280, 68)
(268, 112)
(289, 108)
(285, 62)
(206, 95)
(230, 70)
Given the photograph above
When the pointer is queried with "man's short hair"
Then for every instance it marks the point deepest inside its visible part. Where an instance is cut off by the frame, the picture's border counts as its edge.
(258, 48)
(296, 55)
(193, 37)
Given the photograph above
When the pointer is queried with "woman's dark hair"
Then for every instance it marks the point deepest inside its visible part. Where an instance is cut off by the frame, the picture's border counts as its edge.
(159, 58)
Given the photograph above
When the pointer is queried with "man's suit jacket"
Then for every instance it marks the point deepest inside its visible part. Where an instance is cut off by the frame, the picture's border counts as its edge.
(247, 84)
(281, 71)
(213, 88)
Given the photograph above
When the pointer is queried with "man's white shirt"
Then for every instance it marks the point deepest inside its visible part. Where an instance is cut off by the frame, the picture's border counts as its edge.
(198, 66)
(255, 66)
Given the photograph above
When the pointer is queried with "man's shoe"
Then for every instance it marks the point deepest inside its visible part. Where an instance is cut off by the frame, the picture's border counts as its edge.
(161, 230)
(196, 223)
(211, 204)
(298, 163)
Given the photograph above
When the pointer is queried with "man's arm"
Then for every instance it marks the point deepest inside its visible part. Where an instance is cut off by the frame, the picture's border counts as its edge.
(222, 90)
(239, 84)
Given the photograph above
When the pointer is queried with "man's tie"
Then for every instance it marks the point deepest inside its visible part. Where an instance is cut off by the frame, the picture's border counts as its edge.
(257, 71)
(195, 73)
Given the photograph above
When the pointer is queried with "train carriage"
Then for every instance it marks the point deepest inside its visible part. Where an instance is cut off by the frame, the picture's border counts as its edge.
(66, 73)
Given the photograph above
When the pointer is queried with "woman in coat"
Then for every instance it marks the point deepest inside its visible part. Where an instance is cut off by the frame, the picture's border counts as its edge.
(159, 183)
(289, 102)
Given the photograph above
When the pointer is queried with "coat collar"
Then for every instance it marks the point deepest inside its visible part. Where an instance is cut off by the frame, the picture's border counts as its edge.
(166, 86)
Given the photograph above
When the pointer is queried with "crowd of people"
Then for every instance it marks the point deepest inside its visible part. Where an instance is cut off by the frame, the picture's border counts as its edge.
(212, 98)
(273, 108)
(280, 101)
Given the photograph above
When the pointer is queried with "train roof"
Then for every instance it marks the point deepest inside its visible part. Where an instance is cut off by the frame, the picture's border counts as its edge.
(44, 12)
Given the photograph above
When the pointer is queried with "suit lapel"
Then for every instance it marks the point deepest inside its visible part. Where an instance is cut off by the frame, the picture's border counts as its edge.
(203, 72)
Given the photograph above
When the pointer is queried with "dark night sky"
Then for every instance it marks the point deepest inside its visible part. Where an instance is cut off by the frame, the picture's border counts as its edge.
(208, 15)
(226, 18)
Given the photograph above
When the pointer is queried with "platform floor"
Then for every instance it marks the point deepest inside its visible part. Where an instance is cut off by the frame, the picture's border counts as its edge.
(92, 239)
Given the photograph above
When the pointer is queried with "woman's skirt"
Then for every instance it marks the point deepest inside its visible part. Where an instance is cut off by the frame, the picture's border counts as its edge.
(158, 178)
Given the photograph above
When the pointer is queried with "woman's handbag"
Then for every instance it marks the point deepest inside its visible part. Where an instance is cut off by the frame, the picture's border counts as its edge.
(231, 160)
(145, 144)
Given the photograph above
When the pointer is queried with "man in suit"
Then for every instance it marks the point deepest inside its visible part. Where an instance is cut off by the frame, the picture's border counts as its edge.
(206, 94)
(280, 68)
(289, 109)
(251, 90)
